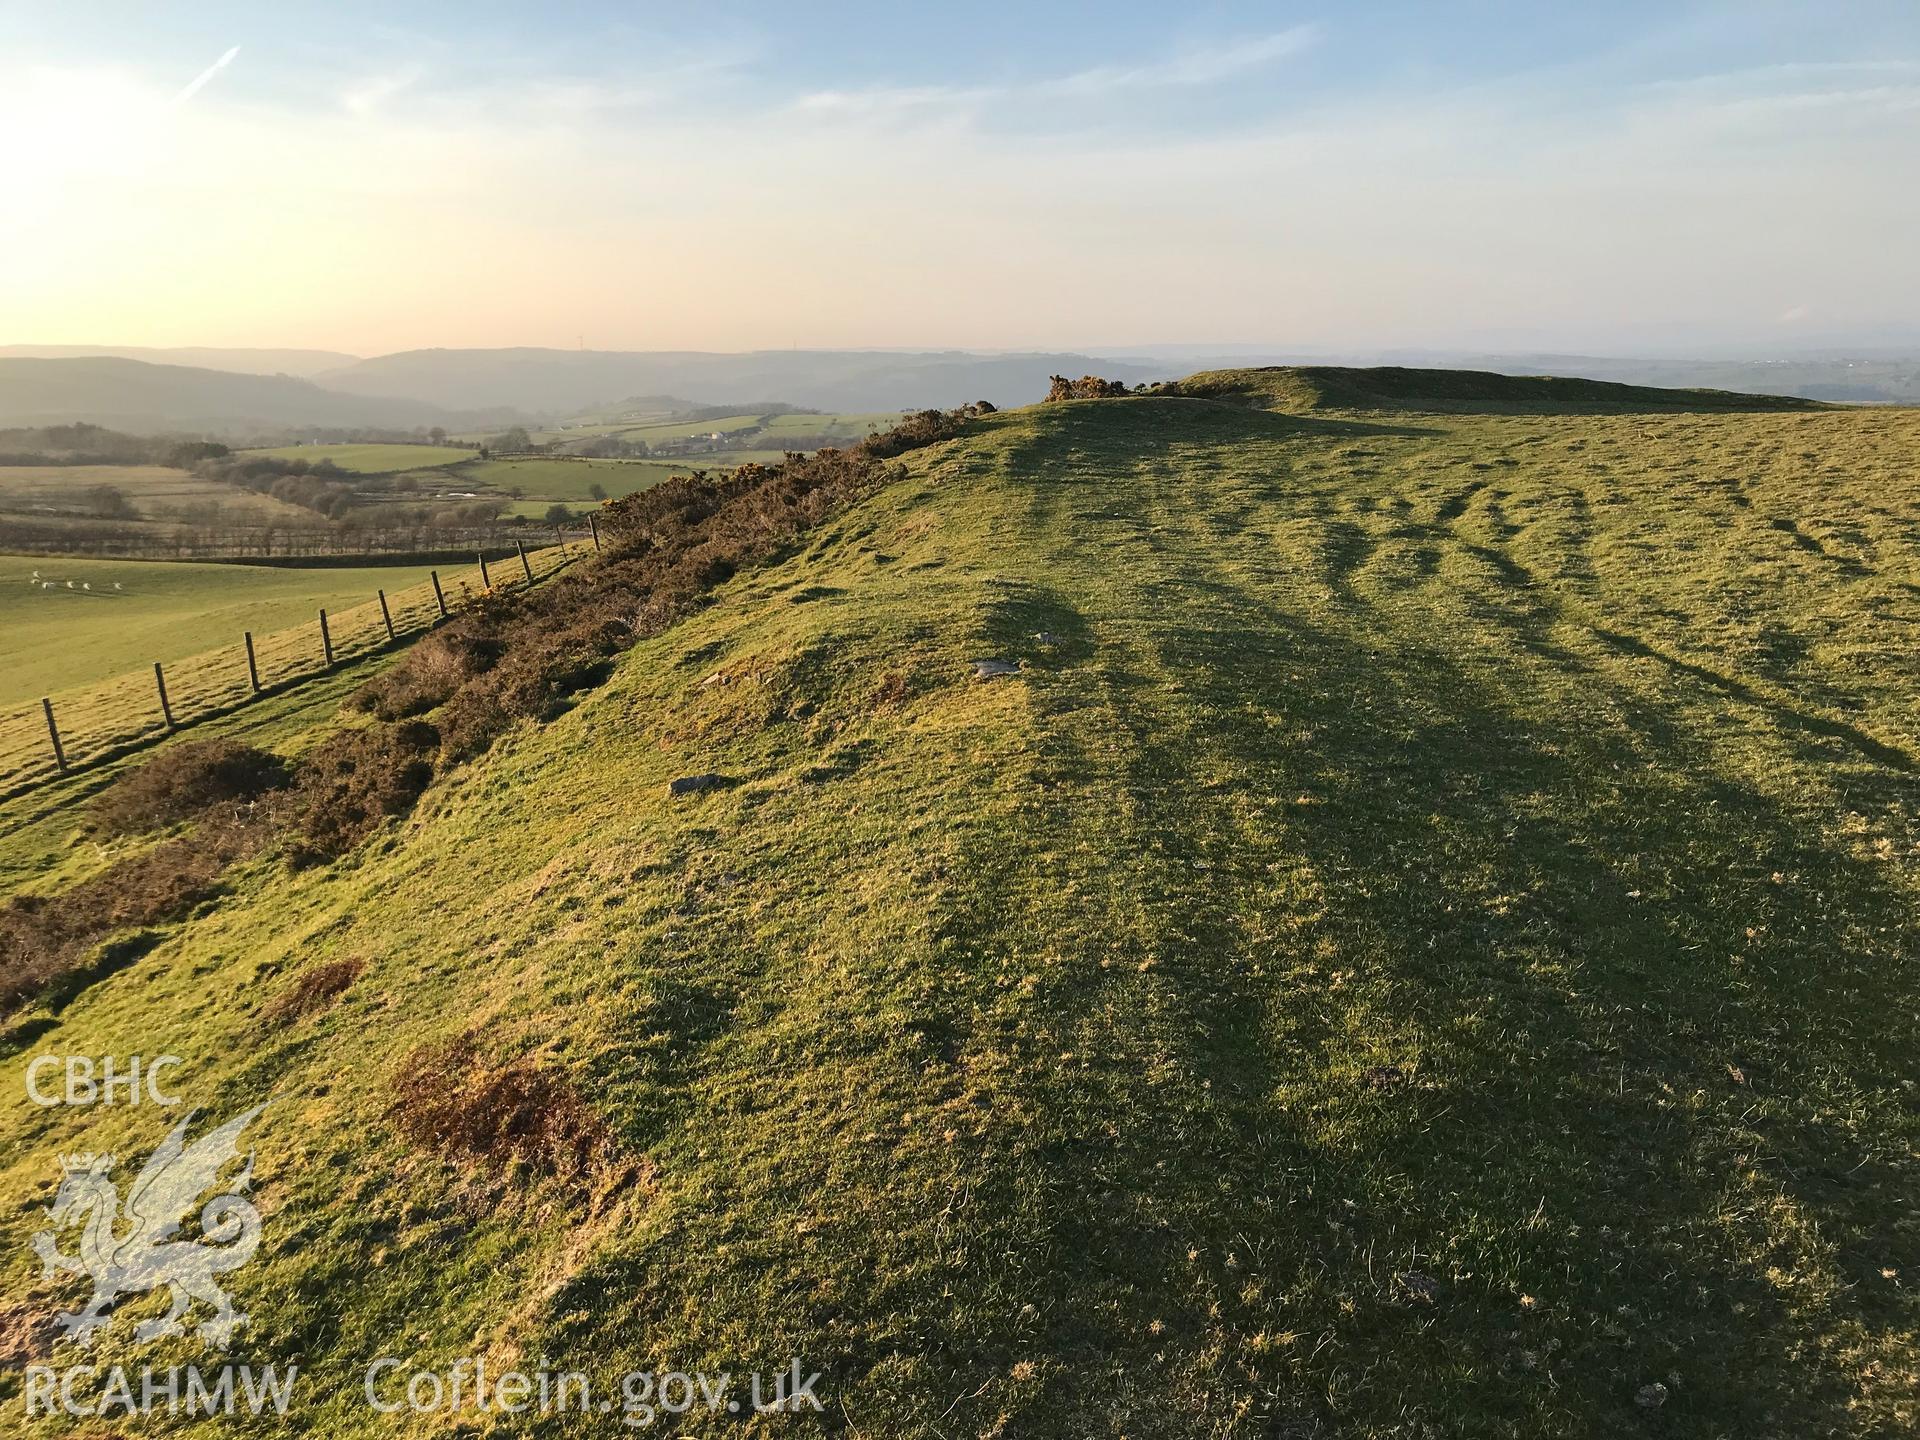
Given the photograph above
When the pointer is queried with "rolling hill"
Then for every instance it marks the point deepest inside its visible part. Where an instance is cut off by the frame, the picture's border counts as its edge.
(143, 398)
(1305, 388)
(1416, 937)
(567, 381)
(303, 363)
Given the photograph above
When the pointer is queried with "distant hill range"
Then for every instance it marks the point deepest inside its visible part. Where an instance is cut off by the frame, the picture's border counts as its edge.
(1862, 380)
(567, 381)
(144, 399)
(301, 363)
(246, 392)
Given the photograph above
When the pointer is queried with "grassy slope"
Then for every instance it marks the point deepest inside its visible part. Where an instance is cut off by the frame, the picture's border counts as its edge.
(1003, 1053)
(1393, 387)
(51, 640)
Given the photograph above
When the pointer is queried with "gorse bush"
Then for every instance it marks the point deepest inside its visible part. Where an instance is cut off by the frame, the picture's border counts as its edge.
(355, 779)
(1087, 387)
(186, 780)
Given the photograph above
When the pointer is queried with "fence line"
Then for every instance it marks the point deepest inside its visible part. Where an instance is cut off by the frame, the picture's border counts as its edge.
(74, 728)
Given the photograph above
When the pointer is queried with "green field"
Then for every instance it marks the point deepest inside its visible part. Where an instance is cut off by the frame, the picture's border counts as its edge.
(58, 637)
(1424, 946)
(849, 427)
(372, 459)
(682, 429)
(846, 427)
(567, 480)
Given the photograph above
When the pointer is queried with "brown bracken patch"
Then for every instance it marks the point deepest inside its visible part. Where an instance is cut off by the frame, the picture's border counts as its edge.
(451, 1098)
(313, 991)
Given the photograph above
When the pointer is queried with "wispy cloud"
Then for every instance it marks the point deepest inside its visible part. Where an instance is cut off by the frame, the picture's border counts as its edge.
(369, 95)
(883, 99)
(1188, 69)
(1194, 67)
(195, 85)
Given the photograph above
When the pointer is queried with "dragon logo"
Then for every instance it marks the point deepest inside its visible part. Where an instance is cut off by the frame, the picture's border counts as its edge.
(142, 1254)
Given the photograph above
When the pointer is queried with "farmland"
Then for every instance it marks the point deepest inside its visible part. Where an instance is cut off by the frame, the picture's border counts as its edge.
(538, 478)
(535, 482)
(49, 493)
(372, 497)
(1413, 839)
(66, 635)
(372, 459)
(97, 720)
(756, 429)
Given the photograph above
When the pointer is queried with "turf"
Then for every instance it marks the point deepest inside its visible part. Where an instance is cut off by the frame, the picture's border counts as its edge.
(53, 639)
(1423, 946)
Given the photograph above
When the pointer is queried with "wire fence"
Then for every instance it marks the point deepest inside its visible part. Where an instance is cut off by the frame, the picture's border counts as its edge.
(82, 726)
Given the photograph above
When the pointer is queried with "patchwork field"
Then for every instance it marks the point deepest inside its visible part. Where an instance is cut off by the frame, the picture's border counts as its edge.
(373, 459)
(151, 492)
(1417, 940)
(565, 480)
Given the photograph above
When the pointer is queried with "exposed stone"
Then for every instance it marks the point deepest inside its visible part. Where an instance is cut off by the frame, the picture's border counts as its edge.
(1421, 1288)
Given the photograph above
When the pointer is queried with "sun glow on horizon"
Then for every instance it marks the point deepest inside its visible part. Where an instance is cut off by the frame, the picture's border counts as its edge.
(399, 203)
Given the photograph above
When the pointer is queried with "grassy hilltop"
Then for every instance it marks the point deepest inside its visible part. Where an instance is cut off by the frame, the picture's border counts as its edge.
(1423, 946)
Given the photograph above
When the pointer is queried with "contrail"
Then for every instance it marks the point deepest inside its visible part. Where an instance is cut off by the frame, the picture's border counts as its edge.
(193, 86)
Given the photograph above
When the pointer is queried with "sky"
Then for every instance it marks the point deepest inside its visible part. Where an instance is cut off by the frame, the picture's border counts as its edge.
(1627, 178)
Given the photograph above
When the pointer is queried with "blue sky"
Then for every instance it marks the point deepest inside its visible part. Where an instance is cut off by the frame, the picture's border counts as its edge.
(726, 176)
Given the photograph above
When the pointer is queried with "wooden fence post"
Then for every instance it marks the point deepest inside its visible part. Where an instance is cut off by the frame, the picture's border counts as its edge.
(385, 614)
(253, 666)
(326, 640)
(486, 581)
(594, 526)
(439, 595)
(53, 734)
(524, 563)
(160, 684)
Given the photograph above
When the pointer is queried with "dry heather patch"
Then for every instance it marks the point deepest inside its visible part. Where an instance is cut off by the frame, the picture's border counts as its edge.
(186, 780)
(450, 1098)
(43, 937)
(313, 991)
(352, 781)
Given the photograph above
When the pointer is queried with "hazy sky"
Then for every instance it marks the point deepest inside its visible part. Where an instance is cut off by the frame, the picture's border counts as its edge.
(371, 177)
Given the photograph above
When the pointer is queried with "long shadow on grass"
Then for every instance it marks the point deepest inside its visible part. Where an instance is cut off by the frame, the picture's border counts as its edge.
(1551, 930)
(1641, 1081)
